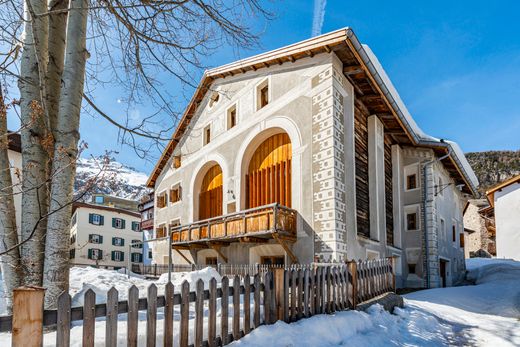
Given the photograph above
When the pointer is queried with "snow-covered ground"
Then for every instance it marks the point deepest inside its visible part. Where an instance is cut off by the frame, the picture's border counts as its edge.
(484, 314)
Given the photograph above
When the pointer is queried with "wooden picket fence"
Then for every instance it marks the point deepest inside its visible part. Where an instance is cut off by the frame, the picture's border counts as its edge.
(280, 294)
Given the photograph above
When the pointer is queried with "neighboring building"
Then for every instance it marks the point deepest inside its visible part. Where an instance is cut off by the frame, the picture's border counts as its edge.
(504, 198)
(478, 229)
(14, 153)
(318, 128)
(146, 207)
(105, 236)
(114, 201)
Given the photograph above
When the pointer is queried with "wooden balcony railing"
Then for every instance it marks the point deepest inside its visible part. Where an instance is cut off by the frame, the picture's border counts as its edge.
(260, 222)
(147, 224)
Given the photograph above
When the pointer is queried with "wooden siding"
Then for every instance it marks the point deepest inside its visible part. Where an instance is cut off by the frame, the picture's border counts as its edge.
(361, 160)
(210, 197)
(388, 192)
(269, 174)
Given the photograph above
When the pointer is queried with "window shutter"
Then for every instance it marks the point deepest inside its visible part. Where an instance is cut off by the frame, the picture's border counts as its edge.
(122, 242)
(123, 224)
(89, 253)
(100, 238)
(101, 220)
(89, 238)
(140, 258)
(113, 255)
(113, 241)
(100, 252)
(122, 256)
(91, 218)
(113, 222)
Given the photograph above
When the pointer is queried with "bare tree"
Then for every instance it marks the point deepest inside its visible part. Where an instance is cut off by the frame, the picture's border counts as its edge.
(60, 52)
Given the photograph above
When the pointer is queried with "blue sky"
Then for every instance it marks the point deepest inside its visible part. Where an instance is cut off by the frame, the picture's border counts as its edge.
(456, 65)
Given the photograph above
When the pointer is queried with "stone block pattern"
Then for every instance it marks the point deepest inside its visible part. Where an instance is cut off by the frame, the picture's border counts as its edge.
(328, 167)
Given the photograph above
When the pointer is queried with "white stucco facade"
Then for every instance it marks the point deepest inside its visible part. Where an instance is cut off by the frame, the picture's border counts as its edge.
(507, 221)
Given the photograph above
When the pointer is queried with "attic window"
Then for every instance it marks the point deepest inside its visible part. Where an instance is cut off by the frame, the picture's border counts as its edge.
(207, 134)
(176, 193)
(214, 99)
(262, 94)
(177, 161)
(232, 117)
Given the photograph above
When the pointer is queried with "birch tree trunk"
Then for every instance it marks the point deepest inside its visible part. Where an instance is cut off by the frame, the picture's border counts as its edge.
(10, 262)
(34, 138)
(56, 271)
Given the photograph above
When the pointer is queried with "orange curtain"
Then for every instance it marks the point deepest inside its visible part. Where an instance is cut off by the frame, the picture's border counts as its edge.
(268, 179)
(210, 197)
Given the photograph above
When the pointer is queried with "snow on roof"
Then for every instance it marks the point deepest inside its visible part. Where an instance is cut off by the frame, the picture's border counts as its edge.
(421, 136)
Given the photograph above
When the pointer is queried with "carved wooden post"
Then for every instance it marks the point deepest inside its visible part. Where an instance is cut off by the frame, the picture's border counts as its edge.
(28, 317)
(352, 268)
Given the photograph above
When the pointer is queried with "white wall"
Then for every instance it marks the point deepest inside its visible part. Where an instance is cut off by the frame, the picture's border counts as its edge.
(83, 228)
(507, 220)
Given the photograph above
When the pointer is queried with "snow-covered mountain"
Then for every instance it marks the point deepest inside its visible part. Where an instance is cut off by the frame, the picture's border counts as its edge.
(111, 177)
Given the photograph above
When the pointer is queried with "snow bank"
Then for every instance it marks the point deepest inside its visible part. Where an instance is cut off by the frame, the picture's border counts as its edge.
(192, 277)
(353, 328)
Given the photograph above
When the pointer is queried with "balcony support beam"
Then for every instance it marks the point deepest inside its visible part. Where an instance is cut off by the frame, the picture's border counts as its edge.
(286, 247)
(182, 255)
(217, 249)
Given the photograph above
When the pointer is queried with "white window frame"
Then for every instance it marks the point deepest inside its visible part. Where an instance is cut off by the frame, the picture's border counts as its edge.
(95, 239)
(228, 116)
(118, 221)
(412, 169)
(117, 255)
(96, 219)
(266, 80)
(95, 254)
(409, 209)
(118, 239)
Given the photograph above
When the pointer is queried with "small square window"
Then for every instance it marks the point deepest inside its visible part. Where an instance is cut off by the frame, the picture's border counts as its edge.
(411, 221)
(232, 117)
(213, 100)
(176, 194)
(411, 268)
(99, 199)
(96, 219)
(207, 134)
(411, 182)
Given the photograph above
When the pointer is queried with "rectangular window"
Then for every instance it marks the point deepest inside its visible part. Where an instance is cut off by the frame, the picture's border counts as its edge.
(137, 244)
(207, 134)
(160, 231)
(73, 239)
(454, 233)
(118, 256)
(149, 254)
(95, 254)
(136, 226)
(411, 221)
(411, 268)
(74, 219)
(95, 238)
(177, 161)
(461, 240)
(99, 199)
(118, 241)
(72, 253)
(161, 200)
(137, 258)
(411, 182)
(211, 260)
(175, 194)
(96, 219)
(118, 223)
(264, 96)
(232, 117)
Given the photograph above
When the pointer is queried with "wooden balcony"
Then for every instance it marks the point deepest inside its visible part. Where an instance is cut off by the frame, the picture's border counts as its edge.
(254, 225)
(147, 224)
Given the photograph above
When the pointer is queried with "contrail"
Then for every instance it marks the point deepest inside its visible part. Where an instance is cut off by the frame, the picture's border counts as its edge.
(318, 17)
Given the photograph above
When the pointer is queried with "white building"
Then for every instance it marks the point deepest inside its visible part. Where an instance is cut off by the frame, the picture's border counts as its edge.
(105, 236)
(307, 153)
(505, 199)
(14, 154)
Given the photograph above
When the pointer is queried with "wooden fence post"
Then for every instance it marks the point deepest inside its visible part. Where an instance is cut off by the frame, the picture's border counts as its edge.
(279, 292)
(352, 268)
(28, 317)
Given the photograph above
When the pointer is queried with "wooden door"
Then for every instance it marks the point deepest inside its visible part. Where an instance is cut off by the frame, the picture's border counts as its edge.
(268, 179)
(210, 197)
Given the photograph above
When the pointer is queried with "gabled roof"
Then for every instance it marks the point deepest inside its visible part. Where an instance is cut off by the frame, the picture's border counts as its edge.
(371, 84)
(79, 204)
(490, 194)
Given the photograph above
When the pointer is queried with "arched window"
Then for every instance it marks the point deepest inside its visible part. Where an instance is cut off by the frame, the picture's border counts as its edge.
(210, 196)
(268, 179)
